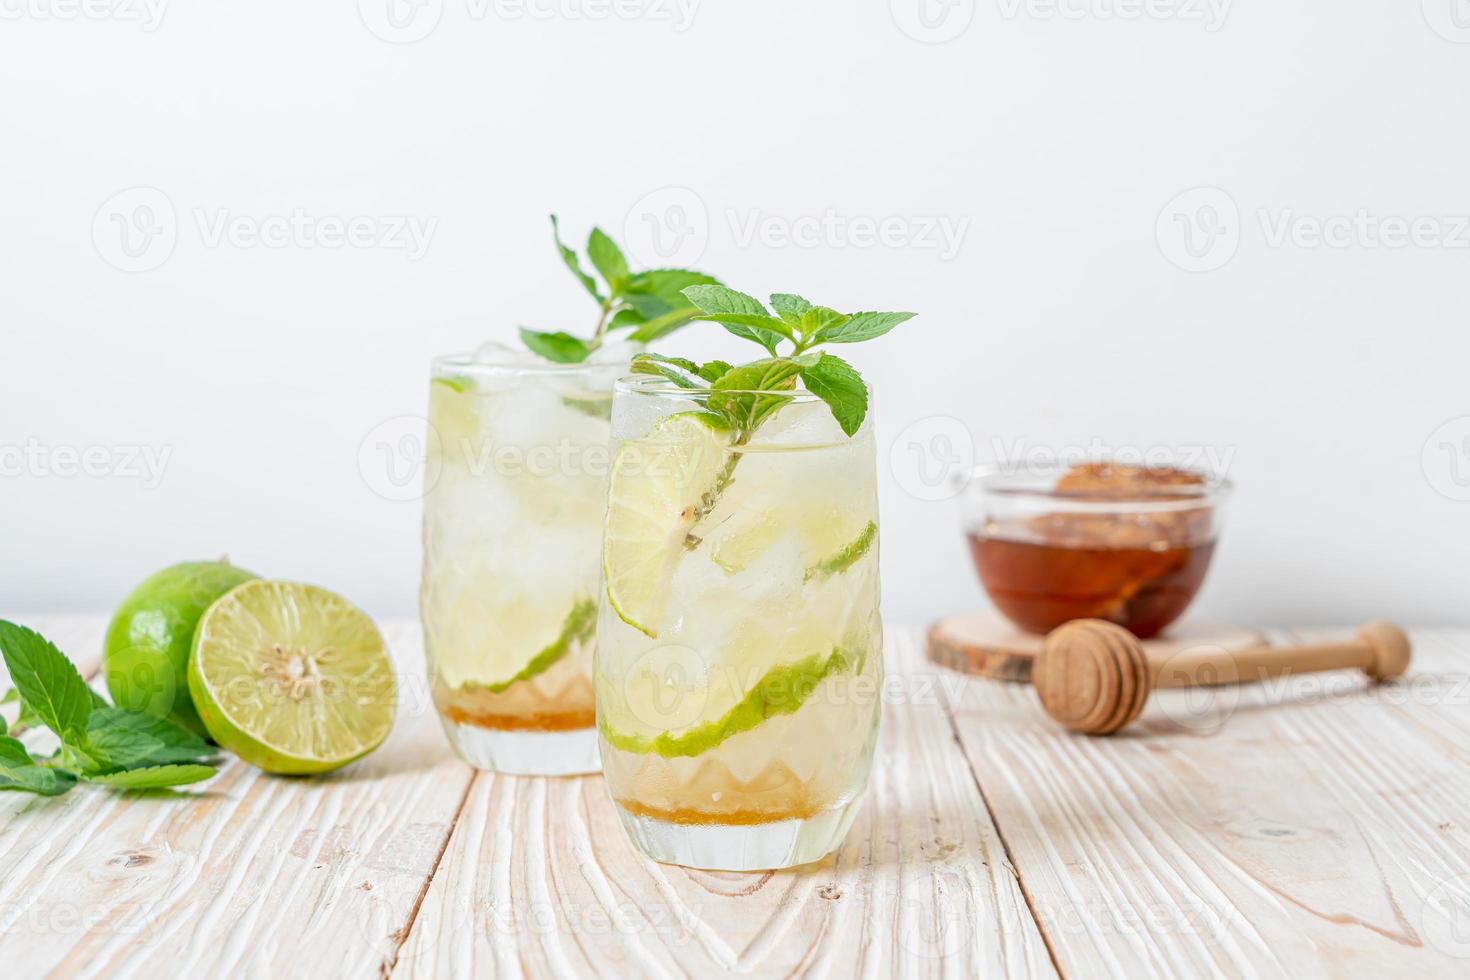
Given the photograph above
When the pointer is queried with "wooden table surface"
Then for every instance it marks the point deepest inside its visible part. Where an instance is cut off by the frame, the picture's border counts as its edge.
(1312, 827)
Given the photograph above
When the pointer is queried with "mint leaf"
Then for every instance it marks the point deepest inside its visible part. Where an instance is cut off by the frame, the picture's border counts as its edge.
(723, 299)
(18, 771)
(737, 394)
(625, 318)
(790, 306)
(861, 326)
(152, 777)
(560, 347)
(121, 739)
(684, 373)
(818, 319)
(742, 315)
(666, 323)
(607, 259)
(668, 284)
(48, 683)
(714, 370)
(839, 385)
(573, 263)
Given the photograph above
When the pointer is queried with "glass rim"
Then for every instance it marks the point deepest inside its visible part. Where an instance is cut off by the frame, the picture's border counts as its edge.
(657, 385)
(1020, 483)
(468, 362)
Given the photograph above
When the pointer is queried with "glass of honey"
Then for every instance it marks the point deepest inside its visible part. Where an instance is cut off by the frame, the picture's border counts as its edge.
(1101, 540)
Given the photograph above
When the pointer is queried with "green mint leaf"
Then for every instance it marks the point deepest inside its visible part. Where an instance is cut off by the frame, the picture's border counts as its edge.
(625, 318)
(18, 771)
(714, 370)
(723, 299)
(121, 739)
(48, 683)
(681, 372)
(861, 326)
(560, 347)
(649, 306)
(765, 337)
(839, 385)
(741, 314)
(607, 259)
(668, 284)
(152, 777)
(737, 394)
(666, 323)
(818, 319)
(789, 304)
(573, 263)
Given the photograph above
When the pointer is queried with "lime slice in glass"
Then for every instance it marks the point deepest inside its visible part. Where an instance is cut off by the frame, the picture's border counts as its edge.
(292, 678)
(656, 489)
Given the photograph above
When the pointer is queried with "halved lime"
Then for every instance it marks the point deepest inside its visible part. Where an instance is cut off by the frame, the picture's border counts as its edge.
(292, 678)
(659, 488)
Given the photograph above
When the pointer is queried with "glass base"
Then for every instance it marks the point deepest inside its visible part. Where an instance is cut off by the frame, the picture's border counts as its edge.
(572, 753)
(741, 847)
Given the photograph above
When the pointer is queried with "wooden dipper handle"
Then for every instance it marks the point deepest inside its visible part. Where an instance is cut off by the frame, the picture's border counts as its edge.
(1094, 677)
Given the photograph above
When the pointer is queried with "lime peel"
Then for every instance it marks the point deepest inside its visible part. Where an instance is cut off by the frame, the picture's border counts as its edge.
(780, 691)
(848, 556)
(578, 627)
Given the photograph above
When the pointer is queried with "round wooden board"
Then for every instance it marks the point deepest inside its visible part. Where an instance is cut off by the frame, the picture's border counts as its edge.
(987, 645)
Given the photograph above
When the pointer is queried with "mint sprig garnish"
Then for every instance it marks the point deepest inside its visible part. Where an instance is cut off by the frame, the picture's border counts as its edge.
(99, 743)
(736, 392)
(649, 304)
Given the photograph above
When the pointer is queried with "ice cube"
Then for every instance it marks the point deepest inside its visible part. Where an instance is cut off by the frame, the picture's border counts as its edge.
(495, 353)
(615, 352)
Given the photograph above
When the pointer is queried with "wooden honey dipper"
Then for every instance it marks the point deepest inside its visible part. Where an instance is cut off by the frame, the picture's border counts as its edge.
(1094, 677)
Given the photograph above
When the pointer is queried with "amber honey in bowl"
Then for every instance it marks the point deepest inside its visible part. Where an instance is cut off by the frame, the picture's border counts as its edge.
(1127, 544)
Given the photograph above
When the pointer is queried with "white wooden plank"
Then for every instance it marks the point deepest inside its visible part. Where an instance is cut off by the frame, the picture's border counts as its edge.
(1304, 828)
(540, 880)
(254, 875)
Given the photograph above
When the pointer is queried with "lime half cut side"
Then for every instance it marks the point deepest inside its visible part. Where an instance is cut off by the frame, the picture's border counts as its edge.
(659, 486)
(292, 678)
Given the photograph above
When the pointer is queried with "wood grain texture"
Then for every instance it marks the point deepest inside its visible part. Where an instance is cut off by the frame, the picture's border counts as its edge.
(253, 875)
(540, 880)
(1306, 827)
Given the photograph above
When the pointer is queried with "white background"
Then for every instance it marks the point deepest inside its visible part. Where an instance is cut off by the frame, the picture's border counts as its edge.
(1063, 316)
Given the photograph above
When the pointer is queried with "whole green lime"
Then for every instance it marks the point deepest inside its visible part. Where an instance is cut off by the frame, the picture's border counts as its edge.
(146, 656)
